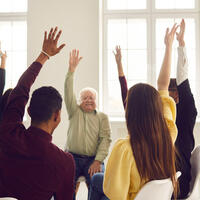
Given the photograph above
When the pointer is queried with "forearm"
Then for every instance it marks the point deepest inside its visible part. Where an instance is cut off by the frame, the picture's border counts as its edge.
(20, 94)
(120, 69)
(42, 58)
(164, 76)
(104, 144)
(3, 63)
(182, 66)
(124, 89)
(2, 80)
(69, 96)
(102, 150)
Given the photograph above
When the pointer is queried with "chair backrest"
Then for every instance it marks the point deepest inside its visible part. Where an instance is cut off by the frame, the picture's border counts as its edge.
(157, 189)
(195, 172)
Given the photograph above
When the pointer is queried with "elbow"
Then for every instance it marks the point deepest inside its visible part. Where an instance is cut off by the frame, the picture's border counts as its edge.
(162, 85)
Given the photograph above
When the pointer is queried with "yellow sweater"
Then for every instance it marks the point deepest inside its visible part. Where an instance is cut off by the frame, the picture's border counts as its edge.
(122, 180)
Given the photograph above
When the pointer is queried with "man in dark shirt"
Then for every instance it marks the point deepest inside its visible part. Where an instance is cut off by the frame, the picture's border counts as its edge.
(31, 167)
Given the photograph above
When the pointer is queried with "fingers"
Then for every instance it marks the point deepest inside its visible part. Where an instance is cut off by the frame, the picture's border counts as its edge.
(49, 36)
(54, 32)
(173, 30)
(58, 36)
(45, 35)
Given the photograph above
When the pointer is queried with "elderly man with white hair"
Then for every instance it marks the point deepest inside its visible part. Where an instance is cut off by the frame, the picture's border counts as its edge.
(88, 137)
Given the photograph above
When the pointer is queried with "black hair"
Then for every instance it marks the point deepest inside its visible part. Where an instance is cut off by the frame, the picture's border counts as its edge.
(44, 102)
(172, 84)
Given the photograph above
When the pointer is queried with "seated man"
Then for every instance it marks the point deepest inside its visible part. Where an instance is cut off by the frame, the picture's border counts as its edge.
(31, 166)
(89, 130)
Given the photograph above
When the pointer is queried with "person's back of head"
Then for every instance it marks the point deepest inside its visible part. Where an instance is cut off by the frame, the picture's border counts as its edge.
(151, 142)
(173, 90)
(4, 100)
(45, 102)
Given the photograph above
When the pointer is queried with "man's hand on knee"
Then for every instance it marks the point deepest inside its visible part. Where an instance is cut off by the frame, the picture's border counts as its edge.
(94, 168)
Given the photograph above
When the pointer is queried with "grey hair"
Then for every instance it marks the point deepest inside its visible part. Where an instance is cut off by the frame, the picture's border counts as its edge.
(92, 90)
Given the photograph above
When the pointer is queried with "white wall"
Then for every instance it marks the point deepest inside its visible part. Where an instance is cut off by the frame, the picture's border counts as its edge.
(79, 20)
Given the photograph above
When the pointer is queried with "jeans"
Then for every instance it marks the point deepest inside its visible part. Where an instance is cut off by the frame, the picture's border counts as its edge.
(82, 166)
(96, 187)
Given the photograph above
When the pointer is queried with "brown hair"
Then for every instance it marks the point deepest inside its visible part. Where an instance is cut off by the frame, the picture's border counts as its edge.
(150, 138)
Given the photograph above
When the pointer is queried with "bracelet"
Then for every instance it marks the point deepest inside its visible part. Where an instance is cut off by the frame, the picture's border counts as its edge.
(45, 54)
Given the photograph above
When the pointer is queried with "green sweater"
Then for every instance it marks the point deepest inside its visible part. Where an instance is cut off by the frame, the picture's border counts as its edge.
(88, 132)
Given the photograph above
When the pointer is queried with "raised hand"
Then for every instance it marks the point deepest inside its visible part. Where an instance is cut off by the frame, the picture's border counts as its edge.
(118, 58)
(118, 55)
(169, 36)
(180, 35)
(50, 42)
(3, 59)
(74, 60)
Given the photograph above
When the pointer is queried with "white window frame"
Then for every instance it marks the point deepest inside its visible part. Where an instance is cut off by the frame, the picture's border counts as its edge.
(151, 14)
(13, 17)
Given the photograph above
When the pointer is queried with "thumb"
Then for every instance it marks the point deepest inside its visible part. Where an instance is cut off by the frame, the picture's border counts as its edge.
(60, 47)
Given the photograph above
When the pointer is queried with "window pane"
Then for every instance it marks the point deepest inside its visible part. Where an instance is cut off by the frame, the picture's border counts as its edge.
(19, 35)
(19, 5)
(14, 41)
(114, 95)
(137, 65)
(6, 35)
(19, 64)
(117, 33)
(137, 34)
(175, 4)
(13, 6)
(190, 41)
(126, 4)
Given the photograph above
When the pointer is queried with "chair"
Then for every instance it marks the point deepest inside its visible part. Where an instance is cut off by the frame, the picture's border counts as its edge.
(80, 179)
(195, 172)
(157, 189)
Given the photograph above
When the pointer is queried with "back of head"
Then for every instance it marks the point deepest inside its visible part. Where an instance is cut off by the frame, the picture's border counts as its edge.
(172, 84)
(44, 102)
(4, 101)
(149, 135)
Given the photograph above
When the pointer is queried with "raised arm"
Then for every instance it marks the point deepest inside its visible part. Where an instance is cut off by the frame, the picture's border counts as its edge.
(164, 76)
(182, 65)
(69, 96)
(14, 111)
(122, 78)
(2, 71)
(186, 99)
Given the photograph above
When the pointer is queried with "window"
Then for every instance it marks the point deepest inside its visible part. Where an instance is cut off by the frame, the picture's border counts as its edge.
(13, 37)
(139, 28)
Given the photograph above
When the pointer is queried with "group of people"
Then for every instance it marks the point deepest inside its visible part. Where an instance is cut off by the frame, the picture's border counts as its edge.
(33, 168)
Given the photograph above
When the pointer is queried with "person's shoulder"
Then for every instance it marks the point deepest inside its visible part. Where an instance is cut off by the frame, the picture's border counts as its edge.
(123, 145)
(101, 114)
(60, 157)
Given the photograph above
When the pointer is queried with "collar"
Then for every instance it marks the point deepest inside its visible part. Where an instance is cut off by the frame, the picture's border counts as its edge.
(40, 133)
